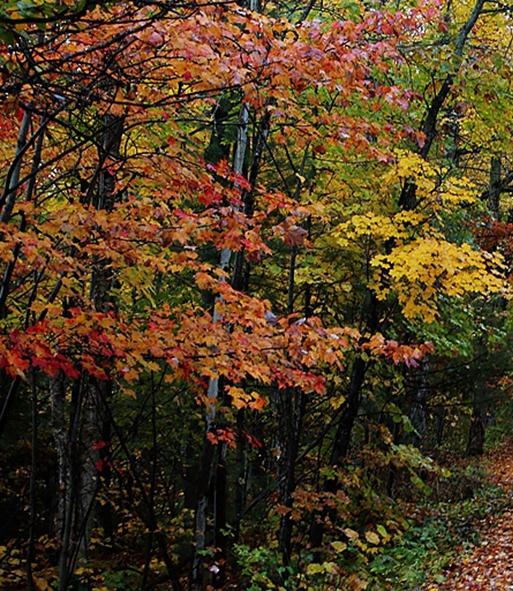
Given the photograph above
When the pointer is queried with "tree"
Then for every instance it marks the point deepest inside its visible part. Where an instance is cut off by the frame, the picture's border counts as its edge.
(223, 242)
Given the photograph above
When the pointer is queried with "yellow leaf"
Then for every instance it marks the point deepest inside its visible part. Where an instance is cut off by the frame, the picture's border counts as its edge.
(372, 537)
(350, 533)
(339, 546)
(314, 568)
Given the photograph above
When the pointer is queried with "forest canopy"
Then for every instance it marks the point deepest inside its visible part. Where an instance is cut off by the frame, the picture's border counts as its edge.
(256, 264)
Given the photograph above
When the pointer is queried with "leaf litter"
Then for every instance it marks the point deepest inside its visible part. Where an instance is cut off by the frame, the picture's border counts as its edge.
(489, 567)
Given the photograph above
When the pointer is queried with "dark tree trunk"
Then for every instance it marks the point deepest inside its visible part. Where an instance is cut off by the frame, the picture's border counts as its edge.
(200, 520)
(293, 406)
(342, 442)
(476, 434)
(494, 191)
(440, 417)
(220, 518)
(418, 410)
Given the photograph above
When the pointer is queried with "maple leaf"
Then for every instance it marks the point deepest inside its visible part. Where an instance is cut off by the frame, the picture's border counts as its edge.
(295, 236)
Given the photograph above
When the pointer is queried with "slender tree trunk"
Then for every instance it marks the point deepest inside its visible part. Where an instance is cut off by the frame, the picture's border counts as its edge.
(440, 418)
(346, 422)
(206, 469)
(478, 421)
(418, 410)
(342, 442)
(240, 473)
(477, 429)
(75, 426)
(220, 518)
(8, 198)
(88, 458)
(294, 405)
(33, 480)
(201, 514)
(151, 494)
(79, 425)
(494, 191)
(67, 448)
(291, 419)
(61, 440)
(7, 202)
(348, 417)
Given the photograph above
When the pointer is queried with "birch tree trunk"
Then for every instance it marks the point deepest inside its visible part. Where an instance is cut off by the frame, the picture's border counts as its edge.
(206, 468)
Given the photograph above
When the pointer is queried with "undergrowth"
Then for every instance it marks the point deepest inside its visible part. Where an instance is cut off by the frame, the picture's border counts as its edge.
(441, 531)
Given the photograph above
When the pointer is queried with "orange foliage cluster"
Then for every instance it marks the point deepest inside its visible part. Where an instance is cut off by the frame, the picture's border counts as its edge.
(126, 65)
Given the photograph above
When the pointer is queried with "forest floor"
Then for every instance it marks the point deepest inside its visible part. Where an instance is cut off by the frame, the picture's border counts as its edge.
(490, 565)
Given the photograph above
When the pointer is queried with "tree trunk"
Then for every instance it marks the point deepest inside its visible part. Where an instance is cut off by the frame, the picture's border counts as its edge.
(213, 393)
(476, 434)
(201, 515)
(79, 425)
(346, 422)
(418, 410)
(440, 419)
(293, 406)
(494, 192)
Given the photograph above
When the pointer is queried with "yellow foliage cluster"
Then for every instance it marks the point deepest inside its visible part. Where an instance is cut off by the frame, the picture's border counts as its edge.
(422, 271)
(407, 250)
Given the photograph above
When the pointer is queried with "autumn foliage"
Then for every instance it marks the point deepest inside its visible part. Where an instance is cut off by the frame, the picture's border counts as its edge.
(239, 244)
